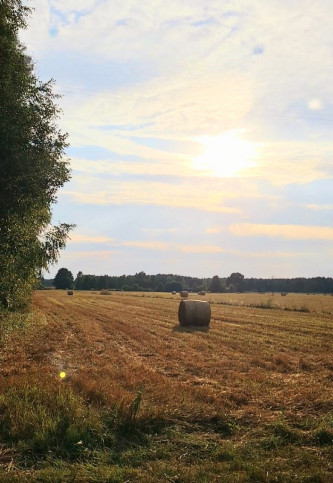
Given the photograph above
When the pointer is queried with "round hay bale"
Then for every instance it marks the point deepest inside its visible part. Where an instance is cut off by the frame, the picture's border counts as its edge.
(194, 312)
(183, 293)
(70, 292)
(174, 292)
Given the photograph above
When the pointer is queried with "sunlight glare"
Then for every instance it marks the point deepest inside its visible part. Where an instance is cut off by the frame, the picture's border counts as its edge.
(226, 155)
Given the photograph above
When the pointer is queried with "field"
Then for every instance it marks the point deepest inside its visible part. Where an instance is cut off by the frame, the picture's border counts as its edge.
(249, 399)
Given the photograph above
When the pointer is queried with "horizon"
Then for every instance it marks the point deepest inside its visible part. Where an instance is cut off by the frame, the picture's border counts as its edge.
(200, 135)
(222, 277)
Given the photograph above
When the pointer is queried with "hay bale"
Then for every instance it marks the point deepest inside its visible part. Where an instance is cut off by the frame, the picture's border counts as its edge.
(183, 293)
(202, 292)
(194, 312)
(104, 292)
(174, 292)
(70, 292)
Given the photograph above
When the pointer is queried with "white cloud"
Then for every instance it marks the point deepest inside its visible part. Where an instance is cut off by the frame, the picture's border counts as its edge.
(201, 39)
(291, 162)
(176, 106)
(185, 194)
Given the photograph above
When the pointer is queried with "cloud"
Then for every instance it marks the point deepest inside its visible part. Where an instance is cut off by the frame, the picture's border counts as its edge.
(206, 40)
(202, 249)
(196, 193)
(156, 245)
(177, 71)
(202, 88)
(126, 29)
(89, 255)
(159, 231)
(141, 244)
(291, 162)
(320, 207)
(215, 229)
(293, 232)
(176, 106)
(149, 245)
(81, 238)
(267, 254)
(172, 167)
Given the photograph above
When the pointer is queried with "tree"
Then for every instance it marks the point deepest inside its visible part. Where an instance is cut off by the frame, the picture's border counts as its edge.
(159, 287)
(64, 279)
(173, 286)
(215, 284)
(78, 282)
(103, 282)
(32, 166)
(236, 281)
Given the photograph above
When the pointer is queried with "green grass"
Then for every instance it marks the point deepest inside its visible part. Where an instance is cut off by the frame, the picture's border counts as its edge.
(56, 436)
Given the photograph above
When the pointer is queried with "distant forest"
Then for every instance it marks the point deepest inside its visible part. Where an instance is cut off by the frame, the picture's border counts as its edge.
(236, 282)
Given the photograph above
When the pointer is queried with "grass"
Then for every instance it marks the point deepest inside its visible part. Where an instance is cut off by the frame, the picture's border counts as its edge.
(248, 400)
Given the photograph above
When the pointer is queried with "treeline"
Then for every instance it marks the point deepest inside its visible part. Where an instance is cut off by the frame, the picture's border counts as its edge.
(170, 282)
(141, 282)
(302, 285)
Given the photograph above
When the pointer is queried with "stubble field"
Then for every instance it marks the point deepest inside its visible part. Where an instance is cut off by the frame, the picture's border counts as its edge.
(249, 399)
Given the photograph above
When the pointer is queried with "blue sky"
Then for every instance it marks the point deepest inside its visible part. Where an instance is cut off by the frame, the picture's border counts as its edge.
(200, 134)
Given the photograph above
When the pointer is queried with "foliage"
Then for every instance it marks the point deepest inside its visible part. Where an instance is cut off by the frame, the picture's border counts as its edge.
(139, 281)
(64, 279)
(169, 282)
(298, 284)
(173, 286)
(235, 281)
(32, 166)
(216, 285)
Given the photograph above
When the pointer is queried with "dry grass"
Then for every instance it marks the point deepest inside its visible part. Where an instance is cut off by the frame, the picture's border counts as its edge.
(250, 398)
(294, 302)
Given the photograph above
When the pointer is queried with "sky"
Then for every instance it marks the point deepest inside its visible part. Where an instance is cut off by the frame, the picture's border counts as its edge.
(200, 134)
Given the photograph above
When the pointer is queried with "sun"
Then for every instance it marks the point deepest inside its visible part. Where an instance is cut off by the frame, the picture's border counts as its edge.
(227, 155)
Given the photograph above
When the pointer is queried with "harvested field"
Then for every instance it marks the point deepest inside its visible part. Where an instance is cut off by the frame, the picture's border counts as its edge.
(248, 399)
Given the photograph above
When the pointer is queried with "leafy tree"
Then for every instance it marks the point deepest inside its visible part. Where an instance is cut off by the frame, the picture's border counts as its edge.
(173, 286)
(159, 287)
(89, 282)
(236, 280)
(78, 283)
(215, 285)
(64, 279)
(32, 165)
(103, 282)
